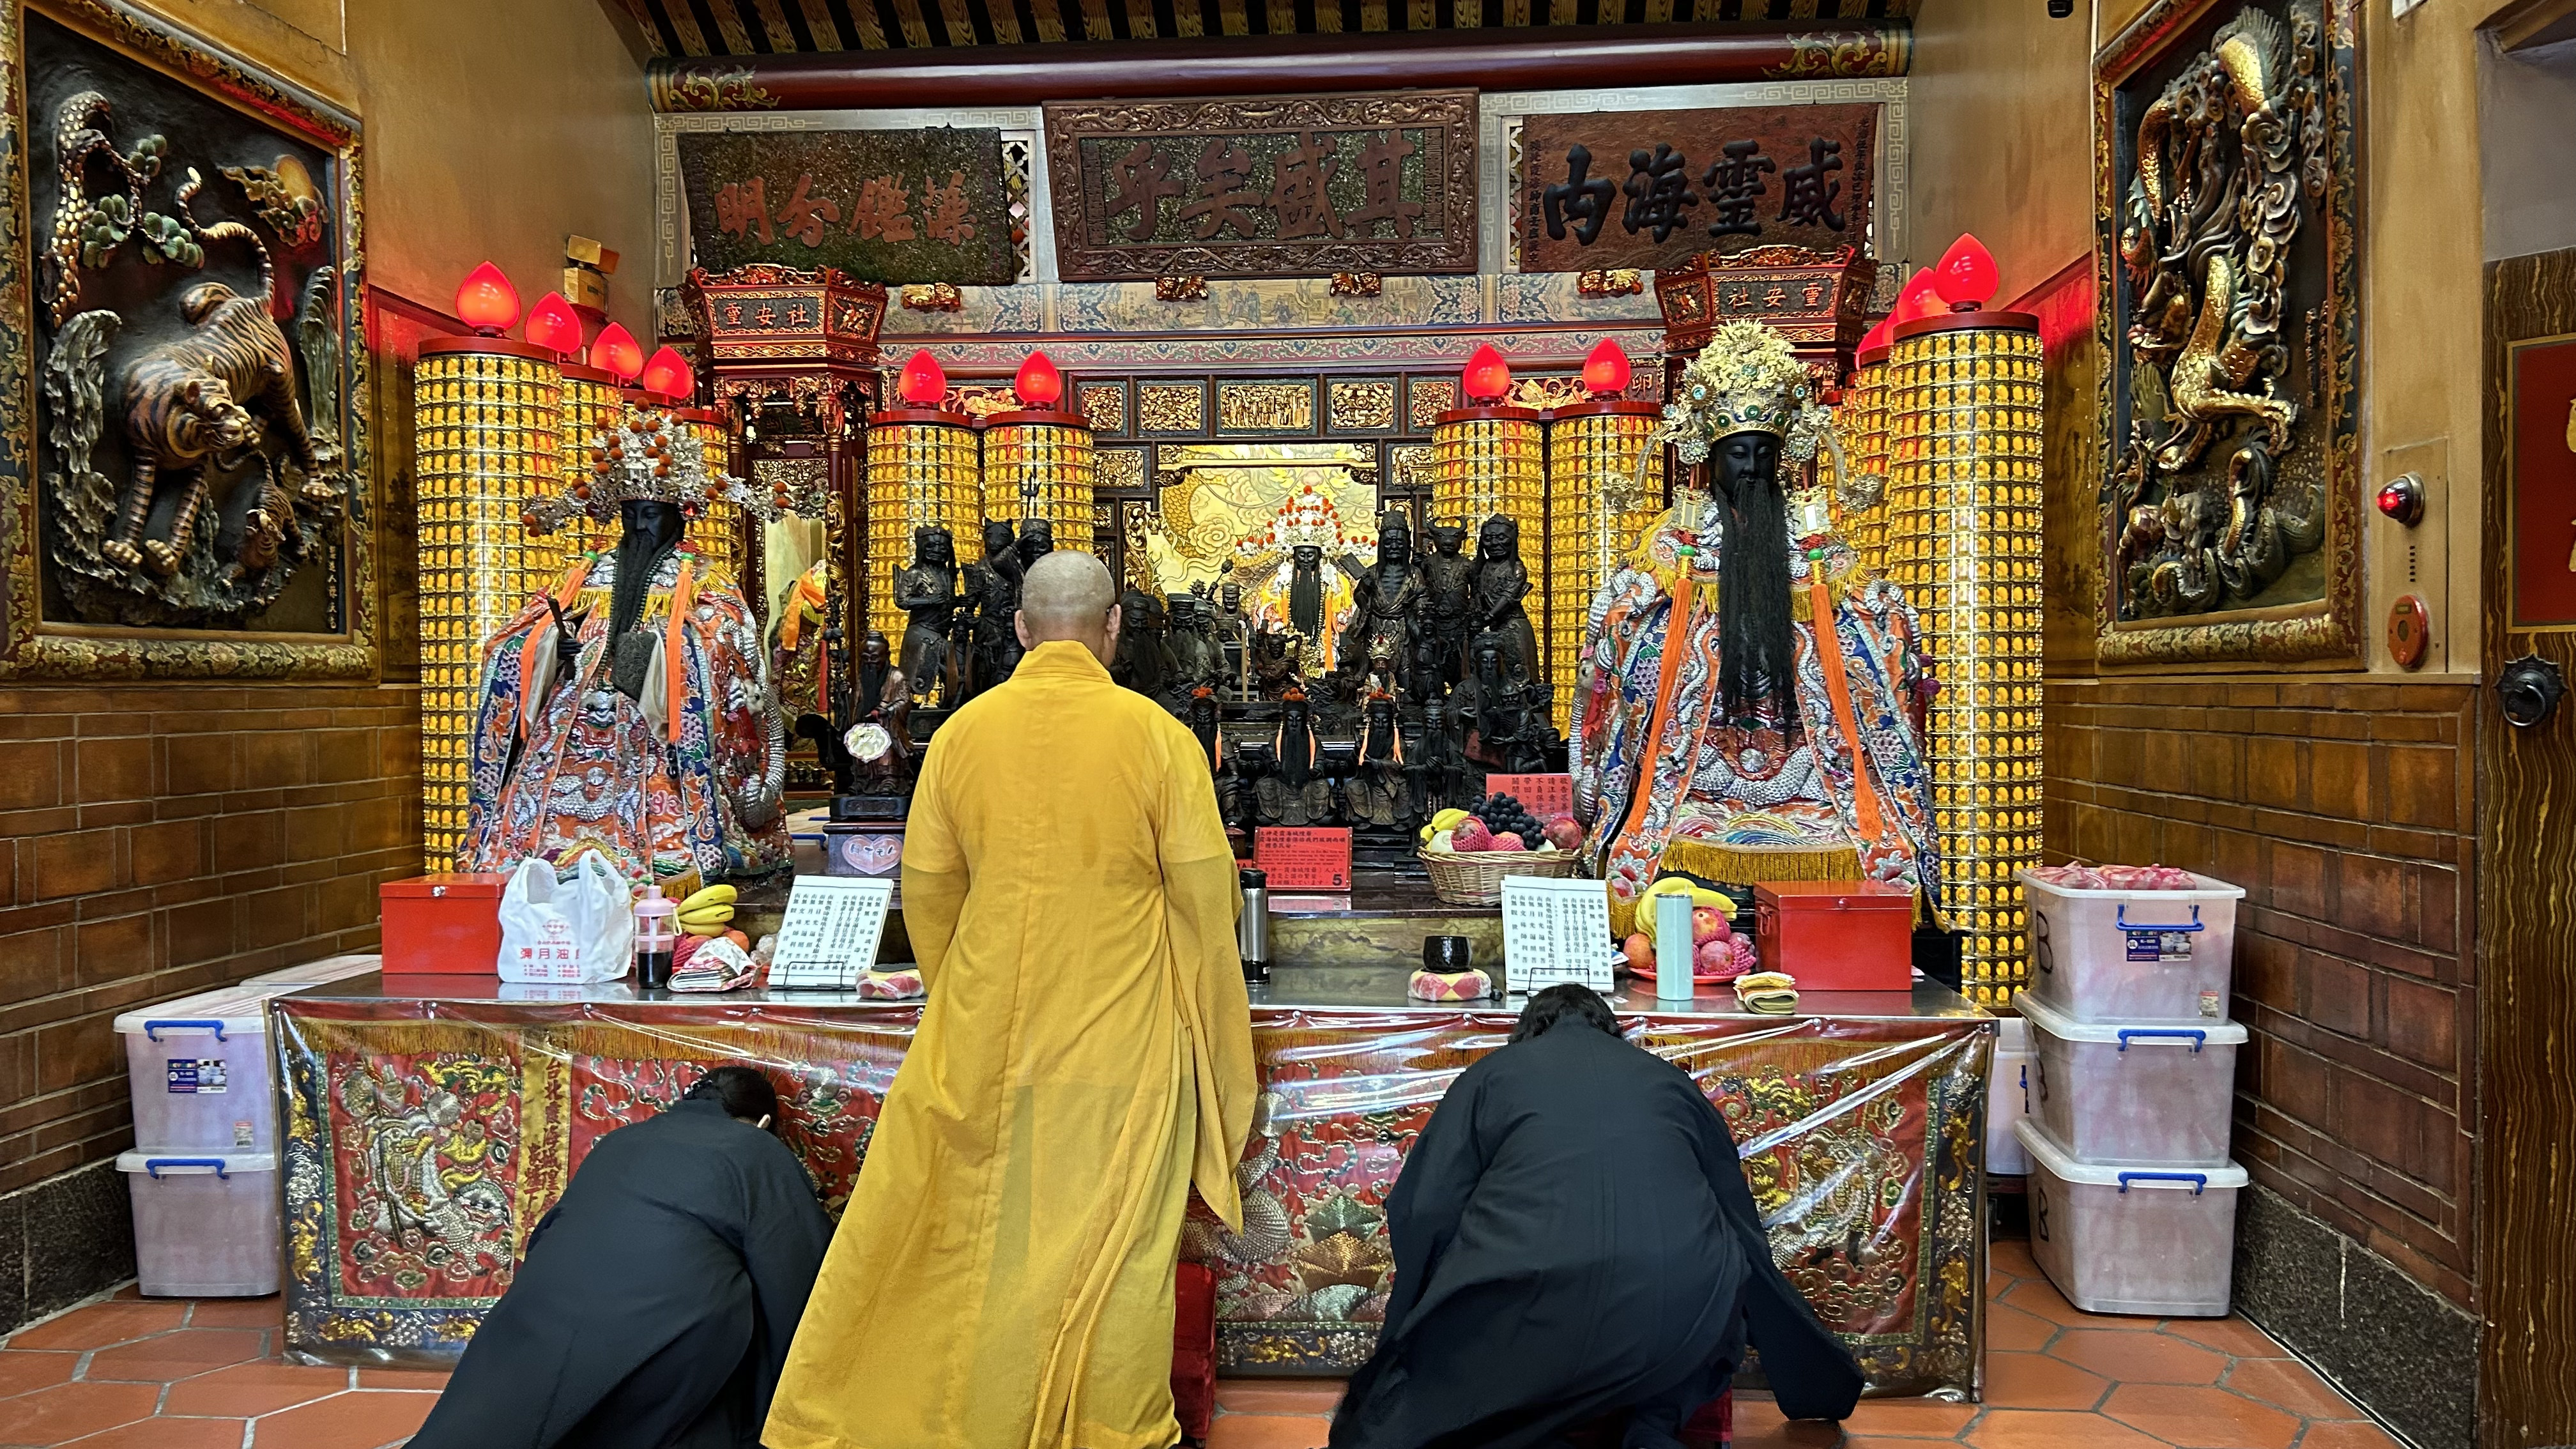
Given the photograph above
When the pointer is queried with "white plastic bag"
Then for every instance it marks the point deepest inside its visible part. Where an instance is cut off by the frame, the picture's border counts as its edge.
(579, 931)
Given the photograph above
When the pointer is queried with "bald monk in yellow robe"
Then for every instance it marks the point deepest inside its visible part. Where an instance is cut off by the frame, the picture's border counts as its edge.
(1003, 1277)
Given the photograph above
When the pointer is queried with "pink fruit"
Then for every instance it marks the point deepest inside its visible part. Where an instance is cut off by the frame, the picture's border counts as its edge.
(1471, 834)
(1713, 957)
(1508, 840)
(1707, 925)
(1564, 833)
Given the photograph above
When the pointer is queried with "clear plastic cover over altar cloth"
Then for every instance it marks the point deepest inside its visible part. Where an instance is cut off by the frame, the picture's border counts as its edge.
(425, 1139)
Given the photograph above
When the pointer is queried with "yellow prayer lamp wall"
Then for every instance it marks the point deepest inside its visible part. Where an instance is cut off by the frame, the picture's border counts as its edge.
(719, 531)
(487, 420)
(1864, 429)
(591, 406)
(1963, 400)
(1489, 460)
(1051, 450)
(922, 469)
(1592, 450)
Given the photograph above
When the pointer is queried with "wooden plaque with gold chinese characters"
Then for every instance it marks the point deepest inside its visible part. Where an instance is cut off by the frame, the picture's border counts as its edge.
(883, 206)
(1654, 188)
(1276, 186)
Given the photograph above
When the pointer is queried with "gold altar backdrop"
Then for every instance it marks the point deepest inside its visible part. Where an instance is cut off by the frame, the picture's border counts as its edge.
(1039, 460)
(1963, 401)
(591, 407)
(923, 470)
(1592, 451)
(1489, 460)
(719, 532)
(1863, 425)
(488, 433)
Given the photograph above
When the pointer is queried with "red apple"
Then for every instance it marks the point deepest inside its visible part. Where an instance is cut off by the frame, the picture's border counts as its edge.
(1707, 925)
(1564, 833)
(1714, 957)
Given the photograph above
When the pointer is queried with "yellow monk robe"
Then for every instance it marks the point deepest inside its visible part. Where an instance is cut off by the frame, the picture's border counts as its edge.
(1003, 1276)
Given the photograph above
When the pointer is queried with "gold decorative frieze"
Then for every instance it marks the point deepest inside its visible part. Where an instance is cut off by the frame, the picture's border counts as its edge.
(1171, 407)
(1180, 289)
(1265, 407)
(1427, 398)
(1105, 404)
(1360, 404)
(1119, 468)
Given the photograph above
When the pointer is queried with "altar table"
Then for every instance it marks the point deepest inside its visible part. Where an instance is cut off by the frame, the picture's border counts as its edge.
(431, 1121)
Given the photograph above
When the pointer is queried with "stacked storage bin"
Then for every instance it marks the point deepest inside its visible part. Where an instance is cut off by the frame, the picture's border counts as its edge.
(203, 1172)
(2133, 1071)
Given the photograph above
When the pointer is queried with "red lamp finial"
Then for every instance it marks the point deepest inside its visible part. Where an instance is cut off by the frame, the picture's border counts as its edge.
(1966, 274)
(924, 384)
(615, 352)
(1606, 370)
(486, 302)
(1037, 382)
(1921, 298)
(1488, 376)
(668, 375)
(1878, 337)
(552, 325)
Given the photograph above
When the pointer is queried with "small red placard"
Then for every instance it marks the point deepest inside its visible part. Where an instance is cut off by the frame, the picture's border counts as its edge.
(1545, 796)
(2542, 506)
(1304, 858)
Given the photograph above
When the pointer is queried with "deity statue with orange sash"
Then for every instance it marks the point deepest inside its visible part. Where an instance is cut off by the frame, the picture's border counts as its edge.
(631, 709)
(1748, 701)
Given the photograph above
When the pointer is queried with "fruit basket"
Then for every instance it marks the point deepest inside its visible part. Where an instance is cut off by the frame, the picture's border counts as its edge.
(1475, 877)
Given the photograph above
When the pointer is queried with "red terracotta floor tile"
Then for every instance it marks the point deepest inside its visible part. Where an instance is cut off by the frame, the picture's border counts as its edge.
(67, 1411)
(2228, 1335)
(361, 1419)
(2289, 1384)
(430, 1379)
(2138, 1358)
(179, 1355)
(101, 1324)
(2199, 1418)
(2032, 1429)
(2012, 1329)
(252, 1389)
(26, 1371)
(1268, 1431)
(2360, 1434)
(167, 1433)
(1910, 1418)
(2013, 1256)
(2039, 1296)
(1279, 1396)
(2036, 1381)
(268, 1312)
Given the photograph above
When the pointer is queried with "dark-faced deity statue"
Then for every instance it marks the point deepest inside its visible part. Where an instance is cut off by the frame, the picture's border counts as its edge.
(1377, 790)
(1502, 581)
(1386, 605)
(926, 591)
(993, 592)
(1233, 628)
(1449, 600)
(1505, 711)
(1197, 658)
(1295, 791)
(1143, 661)
(1036, 541)
(1306, 591)
(867, 743)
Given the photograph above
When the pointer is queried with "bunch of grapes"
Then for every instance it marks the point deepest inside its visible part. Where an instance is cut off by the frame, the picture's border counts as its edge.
(1501, 813)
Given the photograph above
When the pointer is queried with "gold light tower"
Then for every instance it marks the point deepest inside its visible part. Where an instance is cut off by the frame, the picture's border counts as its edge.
(1038, 463)
(1865, 426)
(922, 470)
(488, 433)
(1592, 450)
(1963, 399)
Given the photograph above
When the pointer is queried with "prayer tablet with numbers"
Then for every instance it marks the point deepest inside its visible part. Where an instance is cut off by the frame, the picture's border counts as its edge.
(831, 932)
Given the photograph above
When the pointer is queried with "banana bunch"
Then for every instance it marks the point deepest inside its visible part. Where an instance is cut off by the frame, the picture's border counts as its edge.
(1446, 820)
(709, 912)
(1700, 895)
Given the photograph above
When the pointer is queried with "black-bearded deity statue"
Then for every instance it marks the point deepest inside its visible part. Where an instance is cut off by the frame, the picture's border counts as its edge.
(1501, 582)
(1449, 600)
(993, 588)
(1386, 606)
(926, 591)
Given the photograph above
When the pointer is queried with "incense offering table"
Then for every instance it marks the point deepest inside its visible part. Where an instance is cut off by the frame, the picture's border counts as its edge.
(431, 1120)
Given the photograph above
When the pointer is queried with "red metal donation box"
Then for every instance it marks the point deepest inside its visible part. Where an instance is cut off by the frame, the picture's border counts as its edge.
(1836, 935)
(443, 925)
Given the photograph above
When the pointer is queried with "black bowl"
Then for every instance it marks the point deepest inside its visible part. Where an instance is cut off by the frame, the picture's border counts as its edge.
(1447, 955)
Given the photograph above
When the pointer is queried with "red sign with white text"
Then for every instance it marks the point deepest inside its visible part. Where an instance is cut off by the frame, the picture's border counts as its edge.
(2543, 515)
(1545, 796)
(1304, 858)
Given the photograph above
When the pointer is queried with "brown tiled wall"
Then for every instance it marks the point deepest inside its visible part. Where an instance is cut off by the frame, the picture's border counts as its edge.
(166, 839)
(2345, 812)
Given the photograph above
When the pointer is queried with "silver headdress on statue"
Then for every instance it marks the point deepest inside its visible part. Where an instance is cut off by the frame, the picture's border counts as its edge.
(648, 455)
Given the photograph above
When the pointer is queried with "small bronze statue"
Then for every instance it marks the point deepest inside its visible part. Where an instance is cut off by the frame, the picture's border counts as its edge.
(1143, 662)
(1449, 600)
(926, 591)
(1037, 540)
(993, 590)
(1386, 604)
(1294, 792)
(1197, 658)
(1506, 712)
(1234, 632)
(1501, 582)
(1377, 792)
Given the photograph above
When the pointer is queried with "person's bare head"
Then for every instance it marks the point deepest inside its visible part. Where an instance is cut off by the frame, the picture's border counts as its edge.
(1068, 595)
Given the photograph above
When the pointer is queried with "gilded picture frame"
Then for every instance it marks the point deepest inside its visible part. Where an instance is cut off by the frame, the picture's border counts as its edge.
(332, 632)
(2230, 460)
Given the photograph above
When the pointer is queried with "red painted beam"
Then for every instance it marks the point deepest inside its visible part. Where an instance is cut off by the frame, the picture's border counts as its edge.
(1536, 58)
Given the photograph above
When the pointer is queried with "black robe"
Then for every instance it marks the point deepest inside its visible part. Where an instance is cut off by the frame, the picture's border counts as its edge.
(656, 1300)
(1574, 1241)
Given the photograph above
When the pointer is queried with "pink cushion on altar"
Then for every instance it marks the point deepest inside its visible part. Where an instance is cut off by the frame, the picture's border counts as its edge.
(890, 986)
(1464, 986)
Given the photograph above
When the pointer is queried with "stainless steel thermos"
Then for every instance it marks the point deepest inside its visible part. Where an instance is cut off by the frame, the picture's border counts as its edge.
(1252, 933)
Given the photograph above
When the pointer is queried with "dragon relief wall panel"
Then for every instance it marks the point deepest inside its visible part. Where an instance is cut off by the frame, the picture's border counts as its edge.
(2227, 205)
(193, 502)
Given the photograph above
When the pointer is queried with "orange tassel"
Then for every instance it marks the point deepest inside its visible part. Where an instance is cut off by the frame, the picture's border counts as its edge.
(675, 671)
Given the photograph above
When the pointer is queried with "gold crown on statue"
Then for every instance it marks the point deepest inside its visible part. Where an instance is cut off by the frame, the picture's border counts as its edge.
(1745, 381)
(648, 455)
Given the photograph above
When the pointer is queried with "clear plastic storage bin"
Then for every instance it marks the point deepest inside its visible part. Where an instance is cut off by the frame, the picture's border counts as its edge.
(199, 1072)
(315, 973)
(205, 1225)
(2151, 1240)
(2008, 1099)
(2133, 955)
(2133, 1094)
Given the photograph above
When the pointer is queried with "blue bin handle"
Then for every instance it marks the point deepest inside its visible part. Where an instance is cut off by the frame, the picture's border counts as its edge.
(2197, 1037)
(2120, 914)
(152, 1029)
(2199, 1180)
(153, 1165)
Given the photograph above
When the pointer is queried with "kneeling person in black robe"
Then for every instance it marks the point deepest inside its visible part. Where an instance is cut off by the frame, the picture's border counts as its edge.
(655, 1303)
(1574, 1242)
